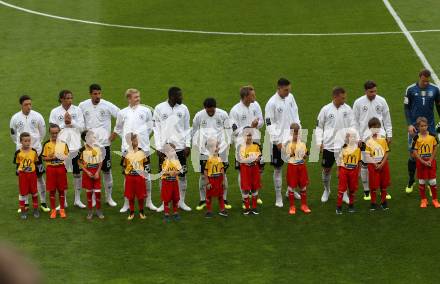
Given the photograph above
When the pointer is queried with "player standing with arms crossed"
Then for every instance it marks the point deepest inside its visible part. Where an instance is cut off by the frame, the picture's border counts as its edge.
(32, 122)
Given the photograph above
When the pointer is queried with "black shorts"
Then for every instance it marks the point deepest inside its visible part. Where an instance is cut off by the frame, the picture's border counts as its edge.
(328, 159)
(76, 170)
(276, 159)
(182, 160)
(203, 164)
(107, 162)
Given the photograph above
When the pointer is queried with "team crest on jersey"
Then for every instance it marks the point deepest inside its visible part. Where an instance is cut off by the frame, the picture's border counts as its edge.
(280, 109)
(34, 123)
(345, 114)
(60, 117)
(331, 116)
(141, 116)
(243, 117)
(218, 122)
(365, 108)
(179, 114)
(164, 116)
(378, 109)
(102, 113)
(20, 124)
(86, 113)
(204, 123)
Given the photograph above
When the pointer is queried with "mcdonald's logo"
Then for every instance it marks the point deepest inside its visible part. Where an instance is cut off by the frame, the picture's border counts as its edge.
(425, 148)
(351, 159)
(378, 152)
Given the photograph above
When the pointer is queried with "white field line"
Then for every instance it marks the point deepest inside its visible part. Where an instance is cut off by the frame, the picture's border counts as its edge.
(411, 40)
(204, 32)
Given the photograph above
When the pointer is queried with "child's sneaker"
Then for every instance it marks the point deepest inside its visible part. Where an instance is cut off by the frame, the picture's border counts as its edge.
(259, 201)
(254, 211)
(53, 214)
(246, 212)
(62, 213)
(166, 218)
(36, 213)
(373, 207)
(99, 214)
(208, 214)
(292, 210)
(223, 213)
(388, 196)
(423, 203)
(384, 206)
(435, 203)
(142, 215)
(338, 211)
(44, 207)
(23, 215)
(202, 204)
(305, 209)
(89, 215)
(130, 216)
(176, 217)
(227, 205)
(367, 196)
(351, 209)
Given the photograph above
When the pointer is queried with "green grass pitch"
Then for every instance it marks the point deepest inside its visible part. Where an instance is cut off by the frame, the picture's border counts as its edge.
(40, 56)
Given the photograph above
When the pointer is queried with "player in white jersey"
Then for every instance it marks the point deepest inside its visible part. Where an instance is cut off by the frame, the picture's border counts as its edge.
(212, 123)
(365, 108)
(32, 122)
(334, 120)
(281, 112)
(137, 119)
(246, 113)
(98, 115)
(70, 119)
(171, 126)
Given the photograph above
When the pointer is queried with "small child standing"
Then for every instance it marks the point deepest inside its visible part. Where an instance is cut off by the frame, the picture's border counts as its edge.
(54, 153)
(90, 162)
(170, 185)
(214, 174)
(296, 174)
(348, 171)
(26, 158)
(134, 163)
(249, 159)
(424, 149)
(377, 150)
